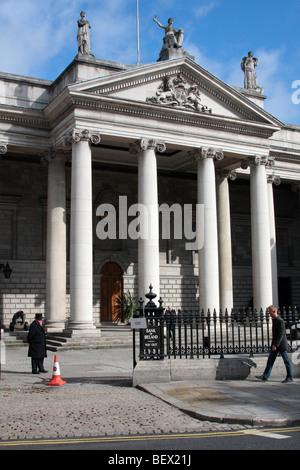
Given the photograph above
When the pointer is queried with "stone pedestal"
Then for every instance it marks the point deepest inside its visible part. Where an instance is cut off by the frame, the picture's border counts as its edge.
(174, 53)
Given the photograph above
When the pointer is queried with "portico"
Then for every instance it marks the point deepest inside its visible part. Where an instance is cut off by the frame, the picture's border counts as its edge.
(116, 133)
(201, 150)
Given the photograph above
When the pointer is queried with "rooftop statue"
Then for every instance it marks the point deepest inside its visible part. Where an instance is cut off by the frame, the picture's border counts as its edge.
(172, 42)
(248, 65)
(83, 35)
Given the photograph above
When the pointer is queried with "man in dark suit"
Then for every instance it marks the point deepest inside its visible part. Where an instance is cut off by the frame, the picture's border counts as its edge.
(279, 344)
(37, 344)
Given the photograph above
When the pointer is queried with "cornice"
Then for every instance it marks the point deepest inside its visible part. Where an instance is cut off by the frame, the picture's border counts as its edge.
(286, 158)
(24, 117)
(152, 111)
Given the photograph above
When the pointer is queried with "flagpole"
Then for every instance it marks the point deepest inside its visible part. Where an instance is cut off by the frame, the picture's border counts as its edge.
(138, 32)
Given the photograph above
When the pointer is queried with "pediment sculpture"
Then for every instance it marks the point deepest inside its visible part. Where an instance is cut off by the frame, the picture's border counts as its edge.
(178, 93)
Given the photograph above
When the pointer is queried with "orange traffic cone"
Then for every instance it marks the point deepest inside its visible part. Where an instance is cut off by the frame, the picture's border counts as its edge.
(56, 378)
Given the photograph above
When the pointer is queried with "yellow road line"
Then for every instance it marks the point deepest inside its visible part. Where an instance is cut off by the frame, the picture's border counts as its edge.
(87, 440)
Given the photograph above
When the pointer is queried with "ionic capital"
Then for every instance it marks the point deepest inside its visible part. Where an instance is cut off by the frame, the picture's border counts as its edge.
(225, 174)
(257, 160)
(3, 149)
(203, 153)
(55, 154)
(273, 179)
(146, 144)
(78, 135)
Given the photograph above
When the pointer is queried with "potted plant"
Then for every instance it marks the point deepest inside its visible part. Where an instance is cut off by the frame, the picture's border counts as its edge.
(125, 304)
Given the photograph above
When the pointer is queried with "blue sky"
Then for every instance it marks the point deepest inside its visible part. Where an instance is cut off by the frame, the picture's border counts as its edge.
(39, 38)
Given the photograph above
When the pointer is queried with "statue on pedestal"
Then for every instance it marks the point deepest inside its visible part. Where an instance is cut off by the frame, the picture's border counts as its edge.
(83, 36)
(248, 65)
(172, 42)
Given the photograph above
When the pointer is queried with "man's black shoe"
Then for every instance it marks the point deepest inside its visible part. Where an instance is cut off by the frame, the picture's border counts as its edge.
(261, 377)
(288, 379)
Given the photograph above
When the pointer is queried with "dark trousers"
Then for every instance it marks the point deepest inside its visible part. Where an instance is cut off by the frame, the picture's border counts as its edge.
(37, 364)
(271, 360)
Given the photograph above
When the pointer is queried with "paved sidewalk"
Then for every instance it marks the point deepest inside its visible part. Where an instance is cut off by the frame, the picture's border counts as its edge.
(98, 399)
(247, 402)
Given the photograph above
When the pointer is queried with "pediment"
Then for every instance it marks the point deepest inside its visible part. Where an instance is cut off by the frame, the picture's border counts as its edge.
(179, 85)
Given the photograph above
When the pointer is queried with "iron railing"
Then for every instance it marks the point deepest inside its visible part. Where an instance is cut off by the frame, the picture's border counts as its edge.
(194, 335)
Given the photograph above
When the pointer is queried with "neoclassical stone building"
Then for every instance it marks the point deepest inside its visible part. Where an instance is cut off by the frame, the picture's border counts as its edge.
(106, 136)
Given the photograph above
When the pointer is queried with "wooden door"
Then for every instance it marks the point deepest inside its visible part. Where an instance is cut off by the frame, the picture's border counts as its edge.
(111, 286)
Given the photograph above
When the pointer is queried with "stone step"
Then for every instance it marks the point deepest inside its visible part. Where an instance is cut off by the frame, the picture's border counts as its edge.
(101, 343)
(111, 335)
(14, 338)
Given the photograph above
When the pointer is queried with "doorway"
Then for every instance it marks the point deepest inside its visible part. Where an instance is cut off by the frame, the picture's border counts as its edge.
(111, 286)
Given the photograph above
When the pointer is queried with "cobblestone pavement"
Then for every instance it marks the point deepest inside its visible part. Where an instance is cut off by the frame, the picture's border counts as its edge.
(89, 410)
(97, 400)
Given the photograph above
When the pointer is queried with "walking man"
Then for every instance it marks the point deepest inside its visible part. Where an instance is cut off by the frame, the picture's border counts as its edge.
(279, 344)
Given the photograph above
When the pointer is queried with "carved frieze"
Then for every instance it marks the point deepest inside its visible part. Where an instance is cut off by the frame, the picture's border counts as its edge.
(177, 93)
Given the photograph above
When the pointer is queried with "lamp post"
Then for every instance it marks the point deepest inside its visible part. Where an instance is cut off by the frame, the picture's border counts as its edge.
(6, 269)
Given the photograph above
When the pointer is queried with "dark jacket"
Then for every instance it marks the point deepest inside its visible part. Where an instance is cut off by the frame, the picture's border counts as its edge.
(37, 341)
(279, 334)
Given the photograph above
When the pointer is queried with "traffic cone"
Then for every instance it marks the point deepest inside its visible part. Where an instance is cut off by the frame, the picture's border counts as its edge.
(56, 378)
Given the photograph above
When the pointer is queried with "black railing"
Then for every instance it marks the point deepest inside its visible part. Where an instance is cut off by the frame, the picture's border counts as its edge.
(194, 335)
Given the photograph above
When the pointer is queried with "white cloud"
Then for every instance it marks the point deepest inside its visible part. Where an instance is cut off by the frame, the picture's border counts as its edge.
(113, 33)
(34, 32)
(204, 10)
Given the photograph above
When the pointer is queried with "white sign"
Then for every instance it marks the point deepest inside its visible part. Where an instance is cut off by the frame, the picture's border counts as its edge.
(137, 323)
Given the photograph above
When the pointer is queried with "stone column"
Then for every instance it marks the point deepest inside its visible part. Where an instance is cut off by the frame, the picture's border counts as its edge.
(208, 254)
(81, 237)
(260, 232)
(224, 239)
(273, 180)
(56, 242)
(148, 242)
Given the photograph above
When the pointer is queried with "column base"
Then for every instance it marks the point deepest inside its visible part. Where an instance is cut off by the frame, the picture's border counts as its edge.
(84, 331)
(55, 327)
